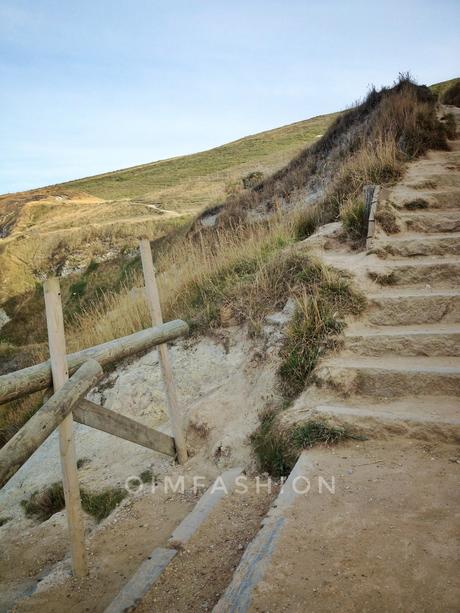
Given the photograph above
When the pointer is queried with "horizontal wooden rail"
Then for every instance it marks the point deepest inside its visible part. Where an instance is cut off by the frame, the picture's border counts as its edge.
(37, 429)
(16, 384)
(100, 418)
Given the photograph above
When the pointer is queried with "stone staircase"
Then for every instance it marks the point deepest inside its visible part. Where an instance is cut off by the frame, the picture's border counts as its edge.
(403, 357)
(399, 367)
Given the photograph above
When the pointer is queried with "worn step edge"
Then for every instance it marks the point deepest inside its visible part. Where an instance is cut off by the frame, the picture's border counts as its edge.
(393, 416)
(419, 425)
(254, 563)
(186, 529)
(151, 569)
(142, 580)
(428, 329)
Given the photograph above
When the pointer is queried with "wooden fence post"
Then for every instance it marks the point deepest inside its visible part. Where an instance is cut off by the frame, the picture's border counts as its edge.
(153, 299)
(58, 359)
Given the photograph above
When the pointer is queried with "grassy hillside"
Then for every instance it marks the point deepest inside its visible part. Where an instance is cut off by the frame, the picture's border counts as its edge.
(440, 88)
(234, 273)
(65, 226)
(206, 171)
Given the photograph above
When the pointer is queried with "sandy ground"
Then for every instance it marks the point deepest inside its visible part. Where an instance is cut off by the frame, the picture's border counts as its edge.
(115, 551)
(387, 540)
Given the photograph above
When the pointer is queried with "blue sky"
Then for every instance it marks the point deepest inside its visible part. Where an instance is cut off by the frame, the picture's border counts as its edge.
(92, 86)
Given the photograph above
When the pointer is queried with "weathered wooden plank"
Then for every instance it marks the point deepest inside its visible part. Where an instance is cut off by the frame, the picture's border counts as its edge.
(153, 301)
(100, 418)
(16, 384)
(371, 220)
(60, 374)
(37, 429)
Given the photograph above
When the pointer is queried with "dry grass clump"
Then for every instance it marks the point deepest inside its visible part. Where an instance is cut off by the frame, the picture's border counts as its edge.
(386, 218)
(353, 218)
(14, 415)
(315, 328)
(236, 277)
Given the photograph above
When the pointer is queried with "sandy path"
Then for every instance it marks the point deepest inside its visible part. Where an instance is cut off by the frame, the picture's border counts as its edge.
(385, 541)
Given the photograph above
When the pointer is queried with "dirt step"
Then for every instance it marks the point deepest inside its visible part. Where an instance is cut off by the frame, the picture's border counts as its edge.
(430, 417)
(435, 271)
(430, 221)
(410, 199)
(413, 306)
(427, 339)
(410, 245)
(390, 377)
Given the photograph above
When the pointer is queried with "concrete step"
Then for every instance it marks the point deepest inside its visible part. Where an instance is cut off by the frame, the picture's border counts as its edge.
(419, 340)
(413, 306)
(431, 221)
(412, 244)
(436, 271)
(391, 377)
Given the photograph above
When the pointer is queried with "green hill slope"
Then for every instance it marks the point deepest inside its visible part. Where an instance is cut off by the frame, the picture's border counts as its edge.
(265, 151)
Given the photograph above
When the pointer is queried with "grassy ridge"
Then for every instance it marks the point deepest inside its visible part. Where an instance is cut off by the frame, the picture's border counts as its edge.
(265, 150)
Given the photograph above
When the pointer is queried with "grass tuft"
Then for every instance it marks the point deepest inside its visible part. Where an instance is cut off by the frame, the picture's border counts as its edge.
(386, 217)
(101, 504)
(315, 328)
(146, 476)
(277, 448)
(44, 504)
(353, 219)
(416, 204)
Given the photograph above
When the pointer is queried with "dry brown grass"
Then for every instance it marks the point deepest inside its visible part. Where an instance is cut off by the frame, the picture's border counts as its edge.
(195, 280)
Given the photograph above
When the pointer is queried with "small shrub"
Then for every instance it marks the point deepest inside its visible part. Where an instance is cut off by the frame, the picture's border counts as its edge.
(252, 179)
(273, 453)
(352, 215)
(452, 95)
(313, 432)
(82, 462)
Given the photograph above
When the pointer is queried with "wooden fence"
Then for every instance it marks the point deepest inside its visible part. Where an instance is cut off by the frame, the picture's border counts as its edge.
(68, 403)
